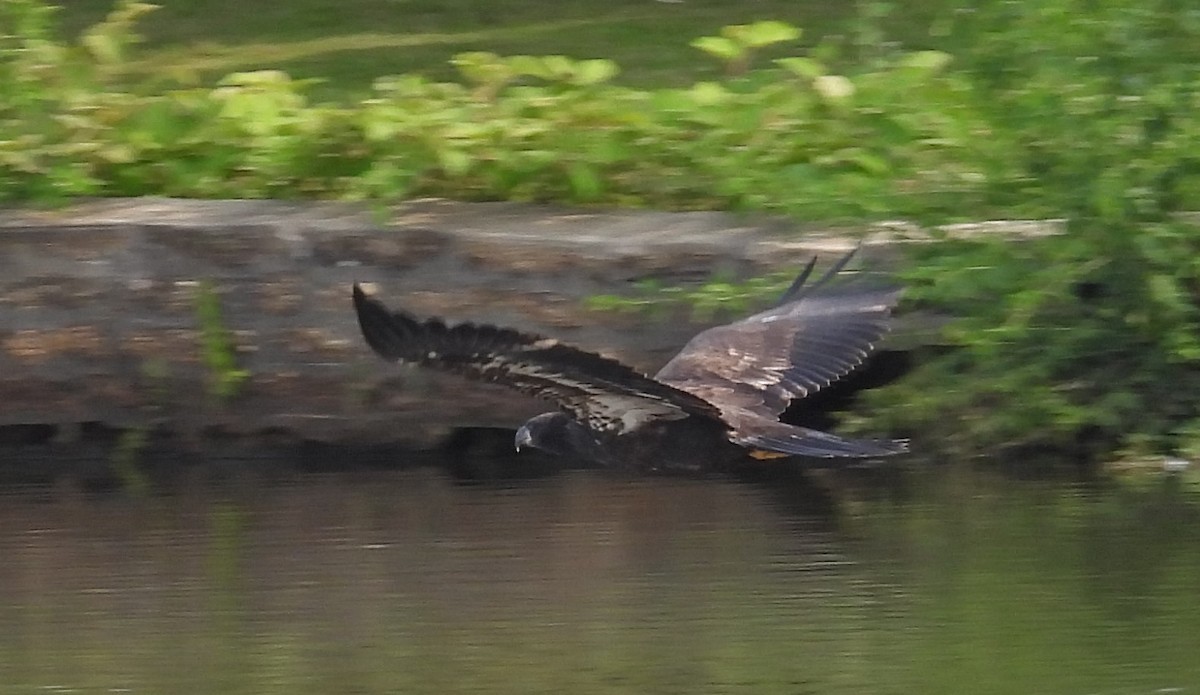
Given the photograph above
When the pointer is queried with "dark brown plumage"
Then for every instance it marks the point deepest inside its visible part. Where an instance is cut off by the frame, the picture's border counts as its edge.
(717, 401)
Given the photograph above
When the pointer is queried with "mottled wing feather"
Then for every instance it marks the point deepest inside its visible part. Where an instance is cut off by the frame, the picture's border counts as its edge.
(600, 392)
(754, 368)
(763, 362)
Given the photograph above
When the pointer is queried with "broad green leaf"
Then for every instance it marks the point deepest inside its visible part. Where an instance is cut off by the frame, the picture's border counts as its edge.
(708, 93)
(585, 181)
(718, 46)
(764, 33)
(482, 67)
(833, 88)
(927, 61)
(104, 47)
(871, 163)
(1165, 290)
(533, 66)
(589, 72)
(802, 67)
(558, 67)
(454, 162)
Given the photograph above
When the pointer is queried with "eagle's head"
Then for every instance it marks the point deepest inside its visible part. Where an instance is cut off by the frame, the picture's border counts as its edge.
(560, 434)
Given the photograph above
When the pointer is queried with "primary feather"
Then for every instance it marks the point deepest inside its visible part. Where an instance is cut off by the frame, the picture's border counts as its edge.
(599, 391)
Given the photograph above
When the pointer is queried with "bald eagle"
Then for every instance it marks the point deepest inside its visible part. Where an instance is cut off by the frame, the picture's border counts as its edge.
(716, 402)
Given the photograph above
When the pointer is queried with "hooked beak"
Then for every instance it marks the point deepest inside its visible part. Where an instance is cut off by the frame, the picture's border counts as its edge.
(524, 438)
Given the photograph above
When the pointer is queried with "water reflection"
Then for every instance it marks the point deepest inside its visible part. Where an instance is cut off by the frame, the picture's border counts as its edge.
(588, 583)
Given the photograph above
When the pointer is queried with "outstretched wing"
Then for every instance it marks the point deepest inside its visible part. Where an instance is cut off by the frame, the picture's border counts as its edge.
(599, 392)
(815, 336)
(754, 368)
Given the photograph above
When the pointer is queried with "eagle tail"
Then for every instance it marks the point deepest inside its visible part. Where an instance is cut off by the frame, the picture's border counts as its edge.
(800, 441)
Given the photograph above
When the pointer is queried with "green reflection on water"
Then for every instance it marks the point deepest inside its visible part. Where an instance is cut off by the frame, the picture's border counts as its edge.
(1037, 587)
(585, 583)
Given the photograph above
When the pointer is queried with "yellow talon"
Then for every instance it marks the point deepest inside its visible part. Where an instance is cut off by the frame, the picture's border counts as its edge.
(765, 455)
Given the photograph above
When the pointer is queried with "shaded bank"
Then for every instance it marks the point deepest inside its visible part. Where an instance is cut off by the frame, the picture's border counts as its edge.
(208, 320)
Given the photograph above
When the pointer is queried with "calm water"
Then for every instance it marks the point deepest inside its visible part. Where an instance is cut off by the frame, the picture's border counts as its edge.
(959, 582)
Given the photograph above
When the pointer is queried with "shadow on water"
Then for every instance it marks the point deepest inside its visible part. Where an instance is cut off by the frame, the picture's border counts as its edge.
(319, 577)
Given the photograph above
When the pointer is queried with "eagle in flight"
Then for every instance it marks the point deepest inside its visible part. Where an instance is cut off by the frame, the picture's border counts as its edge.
(717, 401)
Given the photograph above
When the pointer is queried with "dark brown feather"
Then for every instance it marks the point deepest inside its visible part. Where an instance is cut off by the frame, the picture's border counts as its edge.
(598, 391)
(754, 368)
(763, 362)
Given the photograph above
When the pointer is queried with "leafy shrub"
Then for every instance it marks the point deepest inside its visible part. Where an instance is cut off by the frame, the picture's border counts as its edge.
(1089, 342)
(790, 136)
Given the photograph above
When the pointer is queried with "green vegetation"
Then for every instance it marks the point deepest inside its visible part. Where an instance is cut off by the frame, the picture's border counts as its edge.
(217, 346)
(1088, 343)
(1079, 109)
(718, 298)
(521, 127)
(126, 461)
